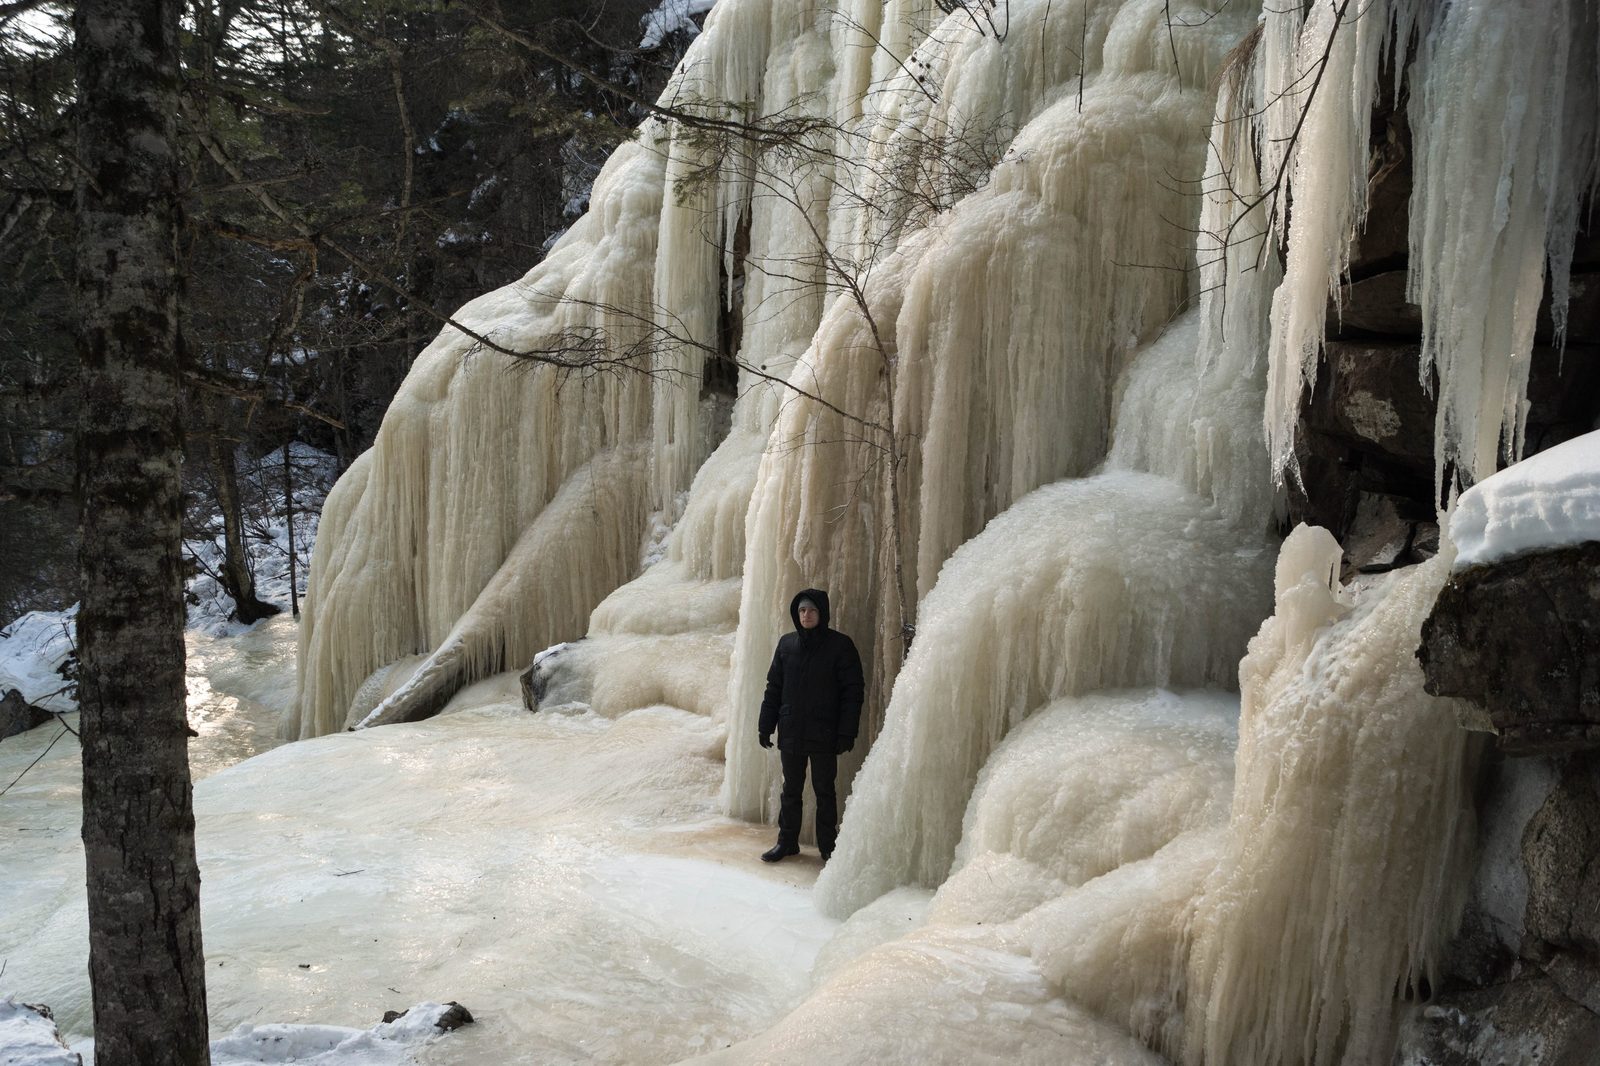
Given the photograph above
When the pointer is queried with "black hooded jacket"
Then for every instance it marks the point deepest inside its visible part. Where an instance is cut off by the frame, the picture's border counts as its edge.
(814, 686)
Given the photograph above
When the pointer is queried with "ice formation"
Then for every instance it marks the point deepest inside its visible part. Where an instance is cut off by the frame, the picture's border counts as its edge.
(1000, 385)
(1353, 786)
(1109, 582)
(1505, 115)
(1027, 430)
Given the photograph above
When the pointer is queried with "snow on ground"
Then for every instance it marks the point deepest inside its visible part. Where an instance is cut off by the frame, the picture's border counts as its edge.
(1549, 500)
(385, 1044)
(671, 16)
(28, 1038)
(564, 876)
(32, 650)
(266, 539)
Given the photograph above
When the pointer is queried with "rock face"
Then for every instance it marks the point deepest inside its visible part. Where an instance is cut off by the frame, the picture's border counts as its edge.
(1523, 1023)
(1525, 986)
(17, 715)
(1521, 638)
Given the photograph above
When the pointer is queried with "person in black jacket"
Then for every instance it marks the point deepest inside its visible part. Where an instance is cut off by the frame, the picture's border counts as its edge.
(813, 703)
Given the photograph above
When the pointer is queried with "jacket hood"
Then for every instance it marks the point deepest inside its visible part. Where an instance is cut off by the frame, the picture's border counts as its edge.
(816, 596)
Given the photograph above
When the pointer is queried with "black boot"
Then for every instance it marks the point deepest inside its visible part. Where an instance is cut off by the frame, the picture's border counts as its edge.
(780, 850)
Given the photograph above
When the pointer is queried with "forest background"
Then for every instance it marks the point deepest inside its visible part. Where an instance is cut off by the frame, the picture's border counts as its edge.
(350, 174)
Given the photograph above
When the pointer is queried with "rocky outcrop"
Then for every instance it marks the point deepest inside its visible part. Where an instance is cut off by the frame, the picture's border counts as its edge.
(1524, 984)
(1521, 639)
(1526, 1022)
(17, 715)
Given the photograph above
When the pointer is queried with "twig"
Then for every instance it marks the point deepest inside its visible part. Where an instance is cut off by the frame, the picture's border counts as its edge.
(35, 762)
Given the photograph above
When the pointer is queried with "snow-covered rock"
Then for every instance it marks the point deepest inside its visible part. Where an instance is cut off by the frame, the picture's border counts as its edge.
(33, 650)
(1548, 500)
(28, 1037)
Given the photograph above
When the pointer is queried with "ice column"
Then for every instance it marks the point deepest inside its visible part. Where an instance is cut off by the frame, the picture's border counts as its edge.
(1320, 81)
(1344, 870)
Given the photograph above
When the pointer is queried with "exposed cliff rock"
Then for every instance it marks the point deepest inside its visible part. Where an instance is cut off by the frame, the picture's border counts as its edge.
(17, 715)
(1521, 639)
(1524, 984)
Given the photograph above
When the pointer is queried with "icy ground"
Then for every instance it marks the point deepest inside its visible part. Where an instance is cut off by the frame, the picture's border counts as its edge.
(565, 877)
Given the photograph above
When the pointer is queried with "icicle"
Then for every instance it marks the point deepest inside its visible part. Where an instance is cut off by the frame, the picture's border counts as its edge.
(1314, 152)
(1504, 111)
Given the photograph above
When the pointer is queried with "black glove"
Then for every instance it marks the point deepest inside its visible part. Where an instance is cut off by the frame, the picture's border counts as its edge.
(766, 740)
(844, 744)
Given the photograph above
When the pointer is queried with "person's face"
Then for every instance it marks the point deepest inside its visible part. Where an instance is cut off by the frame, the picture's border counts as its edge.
(809, 617)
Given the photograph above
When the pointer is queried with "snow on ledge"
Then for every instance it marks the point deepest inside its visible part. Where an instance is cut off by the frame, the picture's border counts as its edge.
(1549, 500)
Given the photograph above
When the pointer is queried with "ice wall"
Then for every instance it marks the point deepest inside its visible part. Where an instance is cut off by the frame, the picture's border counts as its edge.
(1109, 582)
(1153, 572)
(434, 546)
(999, 327)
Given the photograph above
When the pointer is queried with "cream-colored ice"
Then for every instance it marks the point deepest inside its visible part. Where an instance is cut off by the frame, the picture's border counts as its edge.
(1024, 324)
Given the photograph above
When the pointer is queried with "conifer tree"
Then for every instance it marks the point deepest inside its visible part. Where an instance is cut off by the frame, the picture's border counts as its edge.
(146, 967)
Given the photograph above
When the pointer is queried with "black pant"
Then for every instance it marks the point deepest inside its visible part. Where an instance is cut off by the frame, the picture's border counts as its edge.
(823, 768)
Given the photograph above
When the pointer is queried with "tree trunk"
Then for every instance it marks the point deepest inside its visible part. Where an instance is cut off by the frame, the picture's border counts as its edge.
(238, 580)
(145, 963)
(288, 517)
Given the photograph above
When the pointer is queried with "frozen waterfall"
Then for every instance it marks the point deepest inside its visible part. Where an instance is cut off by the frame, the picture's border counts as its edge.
(1024, 300)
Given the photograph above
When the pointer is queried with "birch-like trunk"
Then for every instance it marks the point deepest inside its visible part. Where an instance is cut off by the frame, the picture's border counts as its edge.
(145, 961)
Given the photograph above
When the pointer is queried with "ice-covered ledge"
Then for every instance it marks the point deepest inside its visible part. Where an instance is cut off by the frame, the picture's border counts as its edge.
(1549, 500)
(1517, 628)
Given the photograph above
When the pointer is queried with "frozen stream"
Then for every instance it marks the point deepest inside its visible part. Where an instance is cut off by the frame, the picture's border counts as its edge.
(565, 877)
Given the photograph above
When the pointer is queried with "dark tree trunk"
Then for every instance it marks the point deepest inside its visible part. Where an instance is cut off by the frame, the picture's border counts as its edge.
(238, 580)
(145, 963)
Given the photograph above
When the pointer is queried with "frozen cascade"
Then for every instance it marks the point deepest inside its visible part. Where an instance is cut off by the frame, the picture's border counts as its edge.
(1108, 582)
(420, 529)
(1507, 145)
(1505, 113)
(1347, 856)
(666, 637)
(1058, 561)
(999, 384)
(470, 453)
(1127, 578)
(1270, 912)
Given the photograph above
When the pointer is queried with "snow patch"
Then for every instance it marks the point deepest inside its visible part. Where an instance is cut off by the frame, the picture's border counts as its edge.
(33, 650)
(1550, 500)
(28, 1038)
(672, 16)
